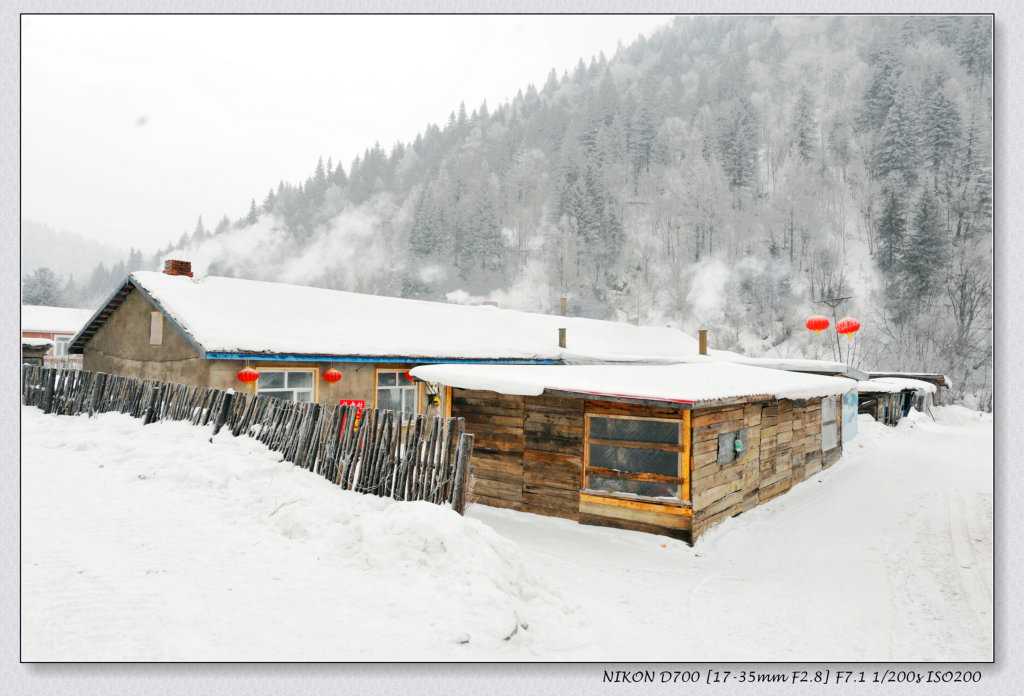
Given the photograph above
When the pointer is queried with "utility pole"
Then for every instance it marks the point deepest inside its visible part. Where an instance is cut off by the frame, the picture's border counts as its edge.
(834, 302)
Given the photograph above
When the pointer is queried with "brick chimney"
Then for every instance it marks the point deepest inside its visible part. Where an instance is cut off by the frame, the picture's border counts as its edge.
(175, 267)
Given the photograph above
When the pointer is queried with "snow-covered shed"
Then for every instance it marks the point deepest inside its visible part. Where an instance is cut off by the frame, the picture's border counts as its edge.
(669, 449)
(887, 399)
(939, 380)
(58, 325)
(202, 331)
(33, 350)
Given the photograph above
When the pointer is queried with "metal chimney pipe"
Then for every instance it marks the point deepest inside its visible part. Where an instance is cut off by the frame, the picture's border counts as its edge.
(561, 338)
(703, 338)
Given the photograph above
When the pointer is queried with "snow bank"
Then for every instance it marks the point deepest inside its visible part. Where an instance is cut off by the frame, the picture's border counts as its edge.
(688, 382)
(152, 543)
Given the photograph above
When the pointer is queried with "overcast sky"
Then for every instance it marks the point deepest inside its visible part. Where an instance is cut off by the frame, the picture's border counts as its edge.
(132, 126)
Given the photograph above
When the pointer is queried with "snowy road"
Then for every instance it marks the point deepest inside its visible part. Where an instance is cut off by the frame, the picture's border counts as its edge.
(887, 556)
(154, 544)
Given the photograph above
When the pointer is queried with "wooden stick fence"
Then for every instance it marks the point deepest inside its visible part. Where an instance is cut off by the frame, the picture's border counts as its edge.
(386, 453)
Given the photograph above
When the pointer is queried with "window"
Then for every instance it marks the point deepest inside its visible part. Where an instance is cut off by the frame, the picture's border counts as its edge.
(731, 446)
(829, 423)
(290, 385)
(395, 391)
(156, 328)
(636, 457)
(60, 346)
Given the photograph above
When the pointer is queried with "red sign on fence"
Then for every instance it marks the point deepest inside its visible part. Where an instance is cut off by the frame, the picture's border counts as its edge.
(360, 404)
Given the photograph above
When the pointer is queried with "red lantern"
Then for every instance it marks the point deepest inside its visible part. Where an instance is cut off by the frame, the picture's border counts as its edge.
(248, 375)
(847, 326)
(332, 376)
(817, 323)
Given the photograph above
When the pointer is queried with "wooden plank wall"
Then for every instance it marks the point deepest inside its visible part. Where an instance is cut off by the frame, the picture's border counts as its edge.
(783, 448)
(497, 422)
(553, 458)
(718, 492)
(529, 451)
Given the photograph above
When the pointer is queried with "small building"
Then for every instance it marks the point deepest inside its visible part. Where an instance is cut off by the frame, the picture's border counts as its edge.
(173, 327)
(34, 350)
(670, 449)
(939, 381)
(58, 325)
(888, 399)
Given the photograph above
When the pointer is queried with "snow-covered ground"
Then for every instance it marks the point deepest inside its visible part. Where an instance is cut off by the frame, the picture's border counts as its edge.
(152, 543)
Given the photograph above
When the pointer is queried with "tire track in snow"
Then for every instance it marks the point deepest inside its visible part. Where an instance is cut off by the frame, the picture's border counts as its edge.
(966, 556)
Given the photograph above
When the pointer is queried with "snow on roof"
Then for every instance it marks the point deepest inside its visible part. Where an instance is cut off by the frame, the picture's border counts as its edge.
(36, 342)
(894, 384)
(936, 378)
(799, 365)
(57, 319)
(230, 315)
(684, 382)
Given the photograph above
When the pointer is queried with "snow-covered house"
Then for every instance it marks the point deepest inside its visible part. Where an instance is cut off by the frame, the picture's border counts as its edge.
(58, 325)
(34, 350)
(887, 399)
(940, 381)
(669, 449)
(173, 327)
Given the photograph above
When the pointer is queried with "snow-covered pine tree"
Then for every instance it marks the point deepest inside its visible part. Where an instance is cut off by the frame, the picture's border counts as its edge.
(738, 143)
(804, 126)
(896, 150)
(926, 251)
(42, 287)
(892, 228)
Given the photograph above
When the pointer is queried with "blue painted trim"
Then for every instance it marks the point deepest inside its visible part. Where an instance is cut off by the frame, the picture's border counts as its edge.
(289, 357)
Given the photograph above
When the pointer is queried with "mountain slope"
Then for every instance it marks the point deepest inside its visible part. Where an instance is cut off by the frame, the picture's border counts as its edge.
(731, 173)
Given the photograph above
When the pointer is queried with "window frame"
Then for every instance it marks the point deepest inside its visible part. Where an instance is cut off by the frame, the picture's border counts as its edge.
(682, 480)
(60, 344)
(833, 424)
(156, 328)
(313, 388)
(414, 387)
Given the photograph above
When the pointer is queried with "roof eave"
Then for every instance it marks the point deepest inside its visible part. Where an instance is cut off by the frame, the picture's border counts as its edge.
(77, 344)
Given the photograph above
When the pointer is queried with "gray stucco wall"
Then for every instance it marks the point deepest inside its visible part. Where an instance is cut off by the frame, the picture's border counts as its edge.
(357, 379)
(122, 347)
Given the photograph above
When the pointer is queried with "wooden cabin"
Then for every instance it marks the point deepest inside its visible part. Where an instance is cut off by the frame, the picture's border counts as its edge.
(665, 449)
(34, 350)
(939, 381)
(888, 399)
